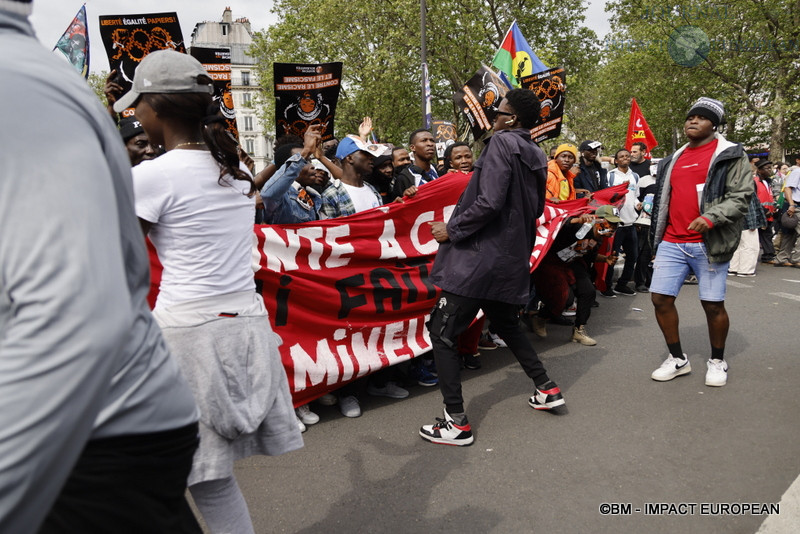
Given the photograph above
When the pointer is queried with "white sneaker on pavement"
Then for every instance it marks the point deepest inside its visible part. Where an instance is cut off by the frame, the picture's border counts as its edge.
(305, 414)
(498, 340)
(301, 426)
(717, 374)
(671, 368)
(349, 406)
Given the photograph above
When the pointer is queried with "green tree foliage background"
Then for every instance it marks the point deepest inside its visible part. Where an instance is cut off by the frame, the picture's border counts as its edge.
(751, 64)
(97, 81)
(379, 44)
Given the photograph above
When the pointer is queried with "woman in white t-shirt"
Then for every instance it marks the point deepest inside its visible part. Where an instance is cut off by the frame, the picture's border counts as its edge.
(195, 203)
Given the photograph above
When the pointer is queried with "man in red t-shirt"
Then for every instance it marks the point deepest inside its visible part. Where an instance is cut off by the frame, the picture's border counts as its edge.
(703, 192)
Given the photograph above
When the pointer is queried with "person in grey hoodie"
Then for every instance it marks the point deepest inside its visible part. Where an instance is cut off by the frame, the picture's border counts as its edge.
(98, 427)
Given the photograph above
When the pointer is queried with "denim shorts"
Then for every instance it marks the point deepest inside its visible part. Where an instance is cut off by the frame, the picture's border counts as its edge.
(676, 260)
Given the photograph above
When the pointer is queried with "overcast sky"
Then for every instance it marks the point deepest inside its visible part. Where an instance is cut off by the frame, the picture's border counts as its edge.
(51, 17)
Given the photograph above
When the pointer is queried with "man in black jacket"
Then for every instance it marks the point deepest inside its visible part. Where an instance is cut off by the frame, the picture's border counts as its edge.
(592, 175)
(423, 146)
(639, 164)
(482, 262)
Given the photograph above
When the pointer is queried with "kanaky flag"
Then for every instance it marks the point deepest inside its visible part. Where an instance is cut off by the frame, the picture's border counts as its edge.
(638, 130)
(515, 58)
(74, 44)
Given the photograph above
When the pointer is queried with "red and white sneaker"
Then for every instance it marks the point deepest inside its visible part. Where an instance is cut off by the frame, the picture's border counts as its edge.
(547, 397)
(447, 432)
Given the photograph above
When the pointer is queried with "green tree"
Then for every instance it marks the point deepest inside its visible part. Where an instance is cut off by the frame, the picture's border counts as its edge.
(379, 44)
(97, 81)
(743, 52)
(600, 108)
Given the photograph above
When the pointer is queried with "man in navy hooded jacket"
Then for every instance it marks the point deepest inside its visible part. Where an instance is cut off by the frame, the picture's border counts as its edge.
(483, 261)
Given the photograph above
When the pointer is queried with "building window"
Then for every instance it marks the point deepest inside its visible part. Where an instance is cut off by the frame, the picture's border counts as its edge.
(249, 146)
(248, 123)
(245, 100)
(245, 78)
(224, 29)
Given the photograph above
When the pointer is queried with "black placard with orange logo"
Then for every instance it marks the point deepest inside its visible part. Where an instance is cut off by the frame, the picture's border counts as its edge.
(217, 62)
(306, 94)
(549, 87)
(129, 38)
(479, 98)
(444, 133)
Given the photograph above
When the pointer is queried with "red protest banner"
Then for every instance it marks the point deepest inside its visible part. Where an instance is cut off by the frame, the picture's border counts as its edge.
(350, 296)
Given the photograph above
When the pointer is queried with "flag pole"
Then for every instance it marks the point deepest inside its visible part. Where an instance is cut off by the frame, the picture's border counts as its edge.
(424, 57)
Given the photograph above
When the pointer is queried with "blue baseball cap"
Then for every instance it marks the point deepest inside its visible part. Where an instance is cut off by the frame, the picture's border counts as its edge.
(353, 143)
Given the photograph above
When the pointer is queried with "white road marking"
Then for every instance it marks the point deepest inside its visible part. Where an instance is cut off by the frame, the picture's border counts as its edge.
(787, 521)
(786, 296)
(739, 284)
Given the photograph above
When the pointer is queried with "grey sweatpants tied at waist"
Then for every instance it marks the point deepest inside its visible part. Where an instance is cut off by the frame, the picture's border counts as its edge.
(229, 355)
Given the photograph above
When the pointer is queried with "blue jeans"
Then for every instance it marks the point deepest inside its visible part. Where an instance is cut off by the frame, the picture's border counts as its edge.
(676, 260)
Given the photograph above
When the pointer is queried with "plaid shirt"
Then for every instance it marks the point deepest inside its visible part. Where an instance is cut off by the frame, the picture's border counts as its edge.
(755, 217)
(336, 201)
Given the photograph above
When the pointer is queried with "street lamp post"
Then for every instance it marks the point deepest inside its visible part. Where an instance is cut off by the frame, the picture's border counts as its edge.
(424, 57)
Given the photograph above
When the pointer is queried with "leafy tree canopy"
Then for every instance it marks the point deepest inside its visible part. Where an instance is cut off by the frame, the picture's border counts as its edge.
(743, 52)
(379, 44)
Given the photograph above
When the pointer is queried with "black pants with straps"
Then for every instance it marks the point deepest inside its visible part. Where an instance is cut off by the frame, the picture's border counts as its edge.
(451, 316)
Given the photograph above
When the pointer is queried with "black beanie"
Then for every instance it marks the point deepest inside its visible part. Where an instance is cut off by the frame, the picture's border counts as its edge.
(129, 127)
(711, 109)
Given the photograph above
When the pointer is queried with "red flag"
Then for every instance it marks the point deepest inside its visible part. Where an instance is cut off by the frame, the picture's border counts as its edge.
(638, 130)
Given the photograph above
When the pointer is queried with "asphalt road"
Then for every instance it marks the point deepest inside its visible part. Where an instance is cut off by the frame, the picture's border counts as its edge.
(622, 438)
